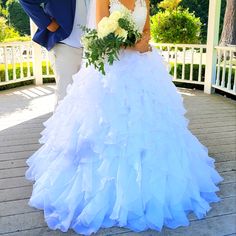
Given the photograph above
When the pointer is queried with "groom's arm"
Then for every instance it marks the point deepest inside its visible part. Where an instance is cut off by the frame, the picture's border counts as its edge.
(35, 11)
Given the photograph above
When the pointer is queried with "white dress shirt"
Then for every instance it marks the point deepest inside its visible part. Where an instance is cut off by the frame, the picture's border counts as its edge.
(80, 19)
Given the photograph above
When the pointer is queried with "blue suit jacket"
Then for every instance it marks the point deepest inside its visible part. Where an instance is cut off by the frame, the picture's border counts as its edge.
(42, 11)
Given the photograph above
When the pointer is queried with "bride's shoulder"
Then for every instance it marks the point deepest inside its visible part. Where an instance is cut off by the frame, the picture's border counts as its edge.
(103, 3)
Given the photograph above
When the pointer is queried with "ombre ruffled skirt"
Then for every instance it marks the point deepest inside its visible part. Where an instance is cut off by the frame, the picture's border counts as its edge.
(118, 152)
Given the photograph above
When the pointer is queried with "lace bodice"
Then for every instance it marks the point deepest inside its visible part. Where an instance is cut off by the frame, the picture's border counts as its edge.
(139, 13)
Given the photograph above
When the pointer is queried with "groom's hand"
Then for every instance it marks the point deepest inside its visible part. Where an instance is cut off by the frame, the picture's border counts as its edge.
(53, 26)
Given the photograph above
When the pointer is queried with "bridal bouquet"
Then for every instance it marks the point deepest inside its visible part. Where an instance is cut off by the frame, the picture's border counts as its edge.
(113, 33)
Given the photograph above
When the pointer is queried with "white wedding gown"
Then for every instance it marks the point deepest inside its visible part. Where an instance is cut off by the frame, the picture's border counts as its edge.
(117, 151)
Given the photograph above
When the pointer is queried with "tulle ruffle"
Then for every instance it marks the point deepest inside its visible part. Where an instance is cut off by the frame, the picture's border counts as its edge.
(117, 152)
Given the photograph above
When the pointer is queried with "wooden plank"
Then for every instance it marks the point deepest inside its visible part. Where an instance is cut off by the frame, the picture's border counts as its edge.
(203, 105)
(15, 208)
(226, 166)
(19, 148)
(227, 190)
(19, 131)
(225, 207)
(15, 194)
(35, 219)
(32, 136)
(212, 112)
(206, 121)
(16, 129)
(15, 172)
(24, 125)
(218, 226)
(25, 221)
(22, 141)
(16, 182)
(223, 135)
(12, 164)
(229, 156)
(222, 148)
(229, 177)
(16, 155)
(215, 142)
(39, 231)
(202, 125)
(218, 130)
(198, 116)
(44, 231)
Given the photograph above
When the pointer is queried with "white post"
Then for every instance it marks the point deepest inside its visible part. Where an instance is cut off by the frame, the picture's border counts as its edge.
(37, 57)
(212, 41)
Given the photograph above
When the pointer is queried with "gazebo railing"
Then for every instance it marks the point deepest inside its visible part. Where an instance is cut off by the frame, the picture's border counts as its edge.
(226, 69)
(16, 62)
(47, 71)
(22, 61)
(187, 61)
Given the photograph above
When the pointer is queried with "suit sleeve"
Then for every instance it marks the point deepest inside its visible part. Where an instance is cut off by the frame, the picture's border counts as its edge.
(35, 11)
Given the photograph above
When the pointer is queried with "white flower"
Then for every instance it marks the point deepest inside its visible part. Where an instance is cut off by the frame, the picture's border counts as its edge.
(85, 41)
(106, 26)
(116, 15)
(121, 33)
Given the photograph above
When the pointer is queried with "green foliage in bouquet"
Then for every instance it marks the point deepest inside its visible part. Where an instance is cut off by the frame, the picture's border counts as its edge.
(104, 45)
(97, 50)
(133, 35)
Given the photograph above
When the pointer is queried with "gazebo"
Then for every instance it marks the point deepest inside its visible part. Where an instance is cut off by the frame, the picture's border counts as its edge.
(216, 64)
(212, 119)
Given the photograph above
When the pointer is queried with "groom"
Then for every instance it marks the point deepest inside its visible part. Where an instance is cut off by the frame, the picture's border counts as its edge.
(59, 32)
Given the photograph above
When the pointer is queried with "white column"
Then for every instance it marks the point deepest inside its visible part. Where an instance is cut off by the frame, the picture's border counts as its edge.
(37, 57)
(212, 41)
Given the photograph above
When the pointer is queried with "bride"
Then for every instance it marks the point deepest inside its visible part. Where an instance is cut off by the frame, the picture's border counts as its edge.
(117, 150)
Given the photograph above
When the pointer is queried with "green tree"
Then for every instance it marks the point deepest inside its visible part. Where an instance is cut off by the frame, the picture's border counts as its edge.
(175, 24)
(3, 3)
(17, 17)
(199, 8)
(6, 31)
(228, 36)
(3, 12)
(170, 5)
(153, 6)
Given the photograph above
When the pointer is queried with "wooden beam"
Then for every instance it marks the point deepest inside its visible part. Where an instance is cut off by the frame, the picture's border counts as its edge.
(212, 42)
(37, 57)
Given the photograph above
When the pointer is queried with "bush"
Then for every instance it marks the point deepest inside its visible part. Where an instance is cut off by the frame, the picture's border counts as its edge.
(18, 18)
(187, 71)
(175, 26)
(18, 71)
(6, 31)
(17, 39)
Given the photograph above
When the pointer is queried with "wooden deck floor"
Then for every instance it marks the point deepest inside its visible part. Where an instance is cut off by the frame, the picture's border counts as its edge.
(22, 111)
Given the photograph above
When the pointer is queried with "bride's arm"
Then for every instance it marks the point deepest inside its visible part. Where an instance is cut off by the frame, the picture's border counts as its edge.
(143, 44)
(102, 9)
